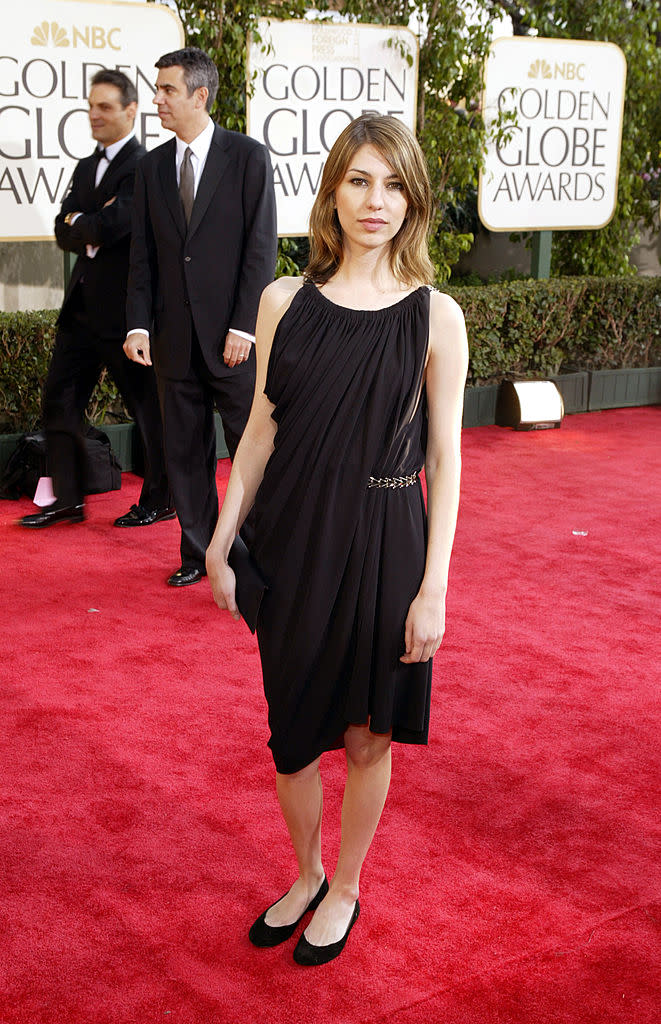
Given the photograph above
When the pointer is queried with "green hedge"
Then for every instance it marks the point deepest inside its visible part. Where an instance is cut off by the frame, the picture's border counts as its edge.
(516, 329)
(26, 340)
(528, 329)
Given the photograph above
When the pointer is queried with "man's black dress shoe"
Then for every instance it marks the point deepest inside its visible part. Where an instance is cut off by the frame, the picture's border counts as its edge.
(265, 936)
(185, 576)
(54, 514)
(138, 515)
(314, 956)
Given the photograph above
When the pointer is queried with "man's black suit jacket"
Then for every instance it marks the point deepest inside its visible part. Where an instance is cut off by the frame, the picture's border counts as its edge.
(102, 280)
(214, 271)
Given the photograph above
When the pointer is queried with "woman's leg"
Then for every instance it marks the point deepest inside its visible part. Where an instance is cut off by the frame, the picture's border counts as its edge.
(368, 780)
(301, 801)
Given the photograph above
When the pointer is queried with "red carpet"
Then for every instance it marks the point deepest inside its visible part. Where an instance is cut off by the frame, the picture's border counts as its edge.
(515, 876)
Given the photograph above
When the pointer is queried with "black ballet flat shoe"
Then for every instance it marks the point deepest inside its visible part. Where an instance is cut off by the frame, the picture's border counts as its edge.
(263, 935)
(308, 955)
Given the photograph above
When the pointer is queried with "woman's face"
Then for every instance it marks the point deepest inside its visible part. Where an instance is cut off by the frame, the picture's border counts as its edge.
(371, 201)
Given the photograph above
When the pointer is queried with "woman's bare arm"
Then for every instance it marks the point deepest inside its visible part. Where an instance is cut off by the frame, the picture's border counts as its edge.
(445, 380)
(254, 448)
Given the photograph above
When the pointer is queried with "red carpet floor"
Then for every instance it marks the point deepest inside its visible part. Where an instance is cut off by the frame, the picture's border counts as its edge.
(516, 873)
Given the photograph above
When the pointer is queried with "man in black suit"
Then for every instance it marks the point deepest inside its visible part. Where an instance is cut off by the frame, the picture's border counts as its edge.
(203, 248)
(95, 222)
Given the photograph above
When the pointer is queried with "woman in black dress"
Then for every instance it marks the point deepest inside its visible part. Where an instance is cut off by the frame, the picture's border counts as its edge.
(360, 376)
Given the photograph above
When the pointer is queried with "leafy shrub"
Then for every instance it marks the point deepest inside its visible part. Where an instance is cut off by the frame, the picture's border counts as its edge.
(544, 328)
(26, 342)
(516, 329)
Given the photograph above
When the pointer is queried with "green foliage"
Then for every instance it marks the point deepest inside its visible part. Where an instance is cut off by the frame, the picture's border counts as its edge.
(526, 328)
(26, 343)
(26, 340)
(635, 28)
(516, 329)
(453, 47)
(292, 258)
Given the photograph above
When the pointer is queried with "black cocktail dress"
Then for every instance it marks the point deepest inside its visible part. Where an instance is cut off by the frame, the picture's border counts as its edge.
(344, 558)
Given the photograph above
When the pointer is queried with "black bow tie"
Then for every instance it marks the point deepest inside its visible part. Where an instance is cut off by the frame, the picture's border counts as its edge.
(100, 154)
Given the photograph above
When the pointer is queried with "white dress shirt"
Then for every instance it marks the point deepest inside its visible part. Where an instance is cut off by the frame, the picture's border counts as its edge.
(109, 154)
(199, 148)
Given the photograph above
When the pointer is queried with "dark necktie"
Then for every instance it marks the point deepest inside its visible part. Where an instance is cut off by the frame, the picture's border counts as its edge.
(186, 184)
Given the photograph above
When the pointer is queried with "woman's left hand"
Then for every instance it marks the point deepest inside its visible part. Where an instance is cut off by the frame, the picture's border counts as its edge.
(223, 582)
(425, 626)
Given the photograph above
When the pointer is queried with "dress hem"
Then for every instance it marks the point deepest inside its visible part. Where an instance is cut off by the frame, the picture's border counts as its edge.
(409, 736)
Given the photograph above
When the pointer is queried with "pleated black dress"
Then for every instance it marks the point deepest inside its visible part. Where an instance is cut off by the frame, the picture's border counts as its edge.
(344, 560)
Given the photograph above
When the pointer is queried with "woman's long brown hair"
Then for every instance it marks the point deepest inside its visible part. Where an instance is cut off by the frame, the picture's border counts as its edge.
(409, 255)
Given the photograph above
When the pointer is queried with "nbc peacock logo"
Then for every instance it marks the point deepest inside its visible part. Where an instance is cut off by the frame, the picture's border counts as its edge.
(566, 69)
(540, 69)
(49, 33)
(90, 37)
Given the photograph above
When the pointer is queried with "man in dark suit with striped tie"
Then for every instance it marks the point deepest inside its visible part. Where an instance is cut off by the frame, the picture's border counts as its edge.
(95, 223)
(203, 248)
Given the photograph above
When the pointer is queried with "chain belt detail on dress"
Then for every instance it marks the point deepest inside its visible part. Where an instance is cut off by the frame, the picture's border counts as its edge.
(392, 481)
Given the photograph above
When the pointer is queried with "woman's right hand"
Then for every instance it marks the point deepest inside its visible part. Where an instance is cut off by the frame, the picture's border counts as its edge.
(223, 583)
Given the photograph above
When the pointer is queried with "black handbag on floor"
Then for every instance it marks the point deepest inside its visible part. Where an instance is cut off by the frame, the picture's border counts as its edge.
(28, 463)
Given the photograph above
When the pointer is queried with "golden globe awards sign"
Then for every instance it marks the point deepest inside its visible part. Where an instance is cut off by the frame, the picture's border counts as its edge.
(309, 80)
(559, 165)
(49, 51)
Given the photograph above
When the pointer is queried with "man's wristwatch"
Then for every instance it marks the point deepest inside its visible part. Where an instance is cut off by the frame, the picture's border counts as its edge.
(69, 217)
